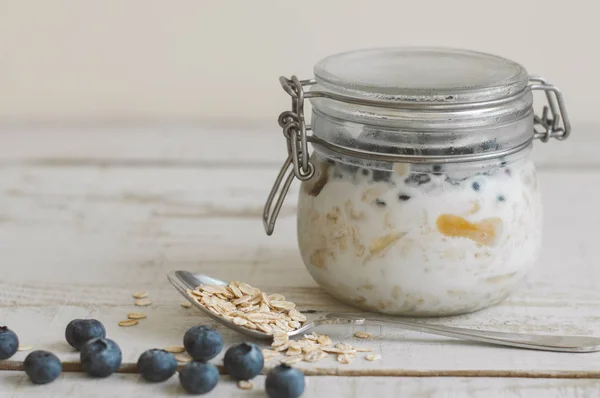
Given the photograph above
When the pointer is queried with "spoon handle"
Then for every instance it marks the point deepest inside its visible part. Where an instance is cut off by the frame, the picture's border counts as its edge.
(544, 342)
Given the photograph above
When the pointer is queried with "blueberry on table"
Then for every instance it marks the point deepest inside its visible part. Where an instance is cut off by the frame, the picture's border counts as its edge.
(80, 331)
(243, 361)
(100, 357)
(198, 377)
(157, 365)
(42, 367)
(284, 382)
(202, 342)
(9, 343)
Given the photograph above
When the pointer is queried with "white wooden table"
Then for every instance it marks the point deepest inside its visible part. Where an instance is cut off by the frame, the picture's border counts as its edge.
(90, 215)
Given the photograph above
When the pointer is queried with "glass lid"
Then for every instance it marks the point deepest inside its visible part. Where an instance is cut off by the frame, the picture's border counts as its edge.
(424, 75)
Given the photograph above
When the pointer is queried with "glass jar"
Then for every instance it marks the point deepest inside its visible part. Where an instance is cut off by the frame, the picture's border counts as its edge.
(420, 197)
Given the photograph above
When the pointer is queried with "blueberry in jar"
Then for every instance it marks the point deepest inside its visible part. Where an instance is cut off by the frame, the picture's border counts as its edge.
(243, 361)
(42, 367)
(157, 365)
(437, 170)
(202, 342)
(199, 377)
(100, 357)
(380, 202)
(403, 197)
(381, 176)
(417, 179)
(80, 331)
(284, 382)
(476, 186)
(9, 343)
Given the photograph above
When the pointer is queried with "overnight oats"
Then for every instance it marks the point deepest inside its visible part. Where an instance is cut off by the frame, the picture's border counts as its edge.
(420, 197)
(420, 240)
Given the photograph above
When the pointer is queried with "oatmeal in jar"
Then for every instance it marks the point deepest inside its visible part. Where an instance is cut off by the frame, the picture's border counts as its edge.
(420, 197)
(420, 240)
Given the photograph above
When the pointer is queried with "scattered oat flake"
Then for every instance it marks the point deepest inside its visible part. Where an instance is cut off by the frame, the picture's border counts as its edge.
(344, 359)
(245, 385)
(282, 347)
(291, 360)
(363, 349)
(372, 357)
(266, 352)
(143, 302)
(136, 315)
(362, 335)
(344, 346)
(334, 350)
(24, 347)
(175, 349)
(324, 340)
(311, 336)
(140, 295)
(186, 304)
(128, 322)
(183, 358)
(315, 356)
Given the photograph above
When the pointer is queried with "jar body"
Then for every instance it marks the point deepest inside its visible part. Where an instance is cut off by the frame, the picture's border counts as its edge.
(418, 239)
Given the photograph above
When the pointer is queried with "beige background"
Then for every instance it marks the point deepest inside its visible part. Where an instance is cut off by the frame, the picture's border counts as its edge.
(217, 62)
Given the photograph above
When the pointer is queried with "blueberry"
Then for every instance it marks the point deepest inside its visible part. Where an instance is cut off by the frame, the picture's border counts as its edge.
(381, 176)
(243, 361)
(199, 377)
(202, 342)
(437, 170)
(100, 357)
(403, 197)
(157, 365)
(501, 198)
(80, 331)
(417, 179)
(9, 342)
(42, 367)
(476, 186)
(380, 203)
(284, 382)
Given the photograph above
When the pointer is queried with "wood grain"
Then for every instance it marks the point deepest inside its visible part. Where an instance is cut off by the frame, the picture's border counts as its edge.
(86, 221)
(16, 384)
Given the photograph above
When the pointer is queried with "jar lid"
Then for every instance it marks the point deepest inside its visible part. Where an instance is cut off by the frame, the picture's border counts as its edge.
(423, 75)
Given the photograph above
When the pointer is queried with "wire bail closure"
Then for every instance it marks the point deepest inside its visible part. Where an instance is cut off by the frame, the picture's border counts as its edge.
(552, 123)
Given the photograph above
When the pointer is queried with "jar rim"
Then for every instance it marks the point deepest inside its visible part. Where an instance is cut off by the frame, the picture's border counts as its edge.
(420, 75)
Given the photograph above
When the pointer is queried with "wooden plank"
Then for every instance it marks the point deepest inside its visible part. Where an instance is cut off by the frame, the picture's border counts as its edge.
(16, 384)
(193, 146)
(79, 241)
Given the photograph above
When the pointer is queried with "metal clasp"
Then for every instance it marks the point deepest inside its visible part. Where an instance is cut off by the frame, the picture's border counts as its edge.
(297, 163)
(550, 120)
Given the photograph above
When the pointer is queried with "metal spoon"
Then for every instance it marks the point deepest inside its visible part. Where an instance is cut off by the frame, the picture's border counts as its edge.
(183, 280)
